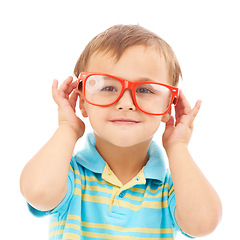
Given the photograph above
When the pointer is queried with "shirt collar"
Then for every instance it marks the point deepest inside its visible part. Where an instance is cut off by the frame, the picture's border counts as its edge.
(89, 157)
(155, 168)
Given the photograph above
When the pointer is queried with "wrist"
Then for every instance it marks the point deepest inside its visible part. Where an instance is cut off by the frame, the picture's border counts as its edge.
(176, 147)
(68, 130)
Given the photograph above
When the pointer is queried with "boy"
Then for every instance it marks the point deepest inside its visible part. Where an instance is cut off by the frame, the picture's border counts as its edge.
(118, 187)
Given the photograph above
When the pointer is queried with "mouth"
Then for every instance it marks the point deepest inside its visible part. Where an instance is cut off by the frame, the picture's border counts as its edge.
(124, 121)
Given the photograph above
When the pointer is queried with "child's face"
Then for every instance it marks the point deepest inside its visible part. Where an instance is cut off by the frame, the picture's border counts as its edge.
(123, 124)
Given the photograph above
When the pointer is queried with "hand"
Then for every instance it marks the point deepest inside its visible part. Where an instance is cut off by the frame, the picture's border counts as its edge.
(180, 129)
(66, 98)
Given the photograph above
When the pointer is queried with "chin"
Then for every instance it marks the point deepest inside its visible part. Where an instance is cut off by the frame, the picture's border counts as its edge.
(126, 141)
(122, 139)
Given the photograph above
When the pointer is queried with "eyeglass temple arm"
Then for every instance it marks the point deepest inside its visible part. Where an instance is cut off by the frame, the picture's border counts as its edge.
(79, 86)
(175, 100)
(80, 80)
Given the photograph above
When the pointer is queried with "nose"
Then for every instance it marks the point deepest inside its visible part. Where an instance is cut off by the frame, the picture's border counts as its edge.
(126, 102)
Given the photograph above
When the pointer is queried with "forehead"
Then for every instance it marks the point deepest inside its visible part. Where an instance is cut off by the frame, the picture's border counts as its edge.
(137, 62)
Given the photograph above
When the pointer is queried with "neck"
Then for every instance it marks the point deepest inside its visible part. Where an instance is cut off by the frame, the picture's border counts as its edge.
(125, 162)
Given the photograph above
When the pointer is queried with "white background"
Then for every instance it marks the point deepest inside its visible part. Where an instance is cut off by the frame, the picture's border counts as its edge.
(42, 40)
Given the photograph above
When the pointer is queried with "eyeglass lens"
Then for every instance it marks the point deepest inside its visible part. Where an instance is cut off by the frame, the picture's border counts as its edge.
(104, 90)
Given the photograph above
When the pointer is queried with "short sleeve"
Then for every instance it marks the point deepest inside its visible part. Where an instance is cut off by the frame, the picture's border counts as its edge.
(172, 207)
(62, 207)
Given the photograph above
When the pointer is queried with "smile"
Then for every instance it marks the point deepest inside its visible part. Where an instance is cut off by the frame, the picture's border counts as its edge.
(124, 121)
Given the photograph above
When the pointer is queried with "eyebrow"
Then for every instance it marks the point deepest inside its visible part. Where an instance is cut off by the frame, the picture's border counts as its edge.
(142, 79)
(146, 80)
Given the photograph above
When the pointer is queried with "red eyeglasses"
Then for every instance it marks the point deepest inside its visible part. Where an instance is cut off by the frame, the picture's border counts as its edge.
(103, 90)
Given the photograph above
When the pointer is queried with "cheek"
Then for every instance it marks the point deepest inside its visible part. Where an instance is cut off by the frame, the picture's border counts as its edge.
(155, 120)
(96, 115)
(153, 124)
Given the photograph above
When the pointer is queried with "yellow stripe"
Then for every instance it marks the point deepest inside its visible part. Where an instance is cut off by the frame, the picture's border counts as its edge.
(136, 198)
(71, 236)
(55, 224)
(74, 236)
(157, 205)
(105, 200)
(58, 232)
(89, 179)
(140, 190)
(74, 217)
(145, 204)
(60, 223)
(110, 227)
(73, 226)
(76, 172)
(123, 229)
(68, 225)
(134, 189)
(104, 226)
(78, 191)
(109, 191)
(97, 199)
(68, 235)
(171, 191)
(96, 188)
(114, 237)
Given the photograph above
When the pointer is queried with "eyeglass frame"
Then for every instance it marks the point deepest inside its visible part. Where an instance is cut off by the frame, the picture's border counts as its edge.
(126, 84)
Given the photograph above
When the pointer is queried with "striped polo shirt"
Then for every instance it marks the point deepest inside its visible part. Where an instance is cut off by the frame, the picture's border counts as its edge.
(98, 206)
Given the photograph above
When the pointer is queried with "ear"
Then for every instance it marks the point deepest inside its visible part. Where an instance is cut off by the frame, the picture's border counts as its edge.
(166, 116)
(82, 104)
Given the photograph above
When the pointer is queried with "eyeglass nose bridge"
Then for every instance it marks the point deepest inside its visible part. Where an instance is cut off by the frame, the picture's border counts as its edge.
(128, 85)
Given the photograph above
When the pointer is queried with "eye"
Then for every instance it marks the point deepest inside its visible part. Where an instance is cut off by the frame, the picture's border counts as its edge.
(144, 90)
(109, 89)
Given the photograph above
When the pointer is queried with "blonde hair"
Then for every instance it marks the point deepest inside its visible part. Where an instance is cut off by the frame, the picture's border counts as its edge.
(117, 39)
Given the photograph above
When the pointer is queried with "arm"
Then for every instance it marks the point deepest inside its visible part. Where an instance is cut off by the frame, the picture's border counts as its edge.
(198, 207)
(43, 179)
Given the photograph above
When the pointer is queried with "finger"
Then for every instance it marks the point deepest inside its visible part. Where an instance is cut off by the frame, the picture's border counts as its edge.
(55, 92)
(192, 115)
(65, 85)
(55, 84)
(73, 99)
(196, 109)
(170, 122)
(183, 107)
(71, 87)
